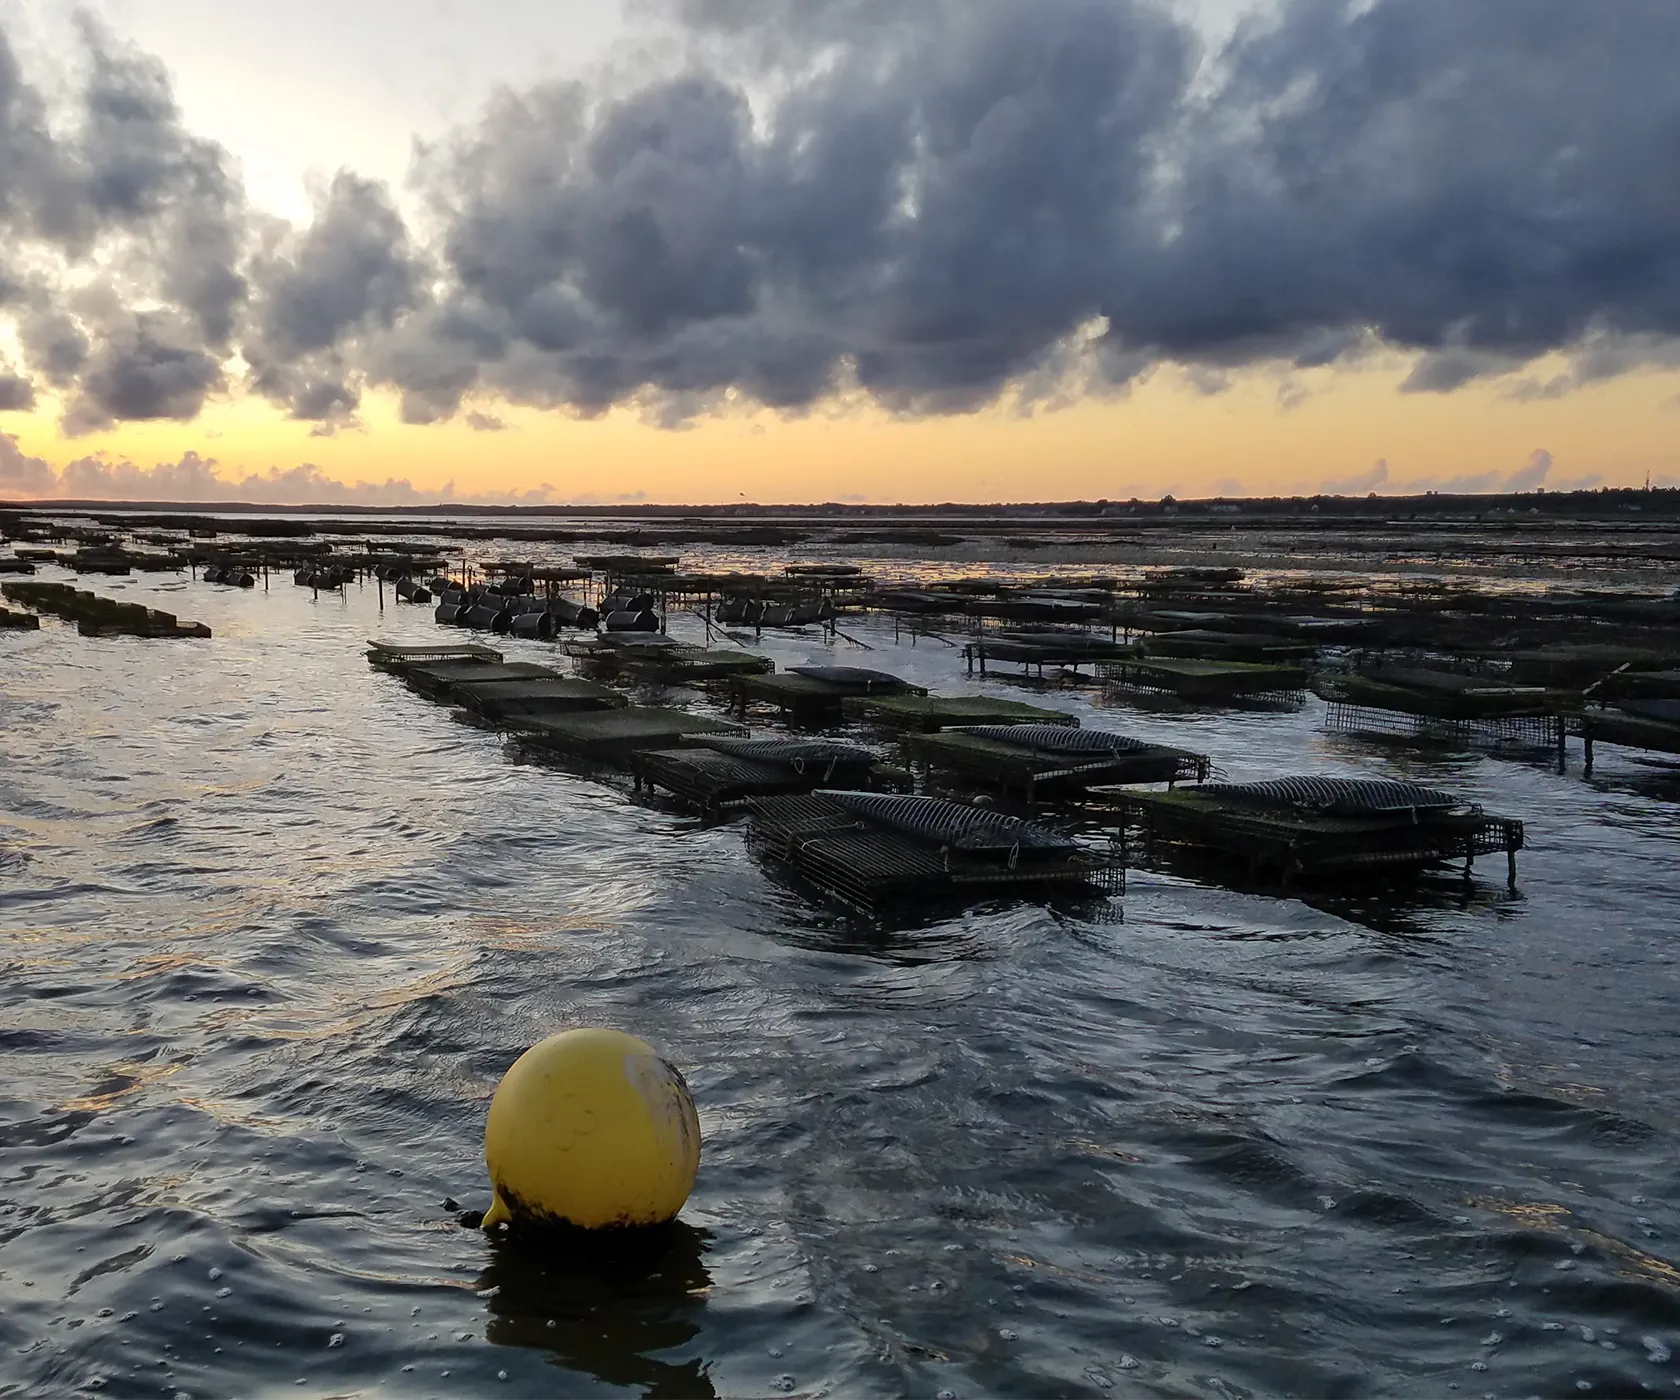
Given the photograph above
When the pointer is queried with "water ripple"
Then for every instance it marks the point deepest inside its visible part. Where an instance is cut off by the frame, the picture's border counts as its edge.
(271, 928)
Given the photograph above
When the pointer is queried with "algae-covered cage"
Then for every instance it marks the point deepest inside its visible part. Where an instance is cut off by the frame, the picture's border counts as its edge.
(1196, 681)
(438, 679)
(1643, 712)
(1321, 826)
(818, 694)
(1043, 761)
(717, 773)
(612, 736)
(927, 713)
(681, 664)
(1207, 644)
(873, 849)
(397, 657)
(1445, 706)
(1041, 649)
(508, 701)
(97, 616)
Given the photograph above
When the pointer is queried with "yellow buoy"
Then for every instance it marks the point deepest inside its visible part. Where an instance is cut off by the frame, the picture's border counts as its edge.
(590, 1128)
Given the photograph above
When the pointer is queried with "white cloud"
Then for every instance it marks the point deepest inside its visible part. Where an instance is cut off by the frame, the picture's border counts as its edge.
(21, 473)
(1379, 480)
(194, 478)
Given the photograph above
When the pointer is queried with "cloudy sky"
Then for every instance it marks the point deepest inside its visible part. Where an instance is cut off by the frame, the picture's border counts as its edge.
(700, 250)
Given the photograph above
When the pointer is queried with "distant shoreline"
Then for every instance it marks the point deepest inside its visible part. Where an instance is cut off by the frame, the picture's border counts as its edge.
(1662, 502)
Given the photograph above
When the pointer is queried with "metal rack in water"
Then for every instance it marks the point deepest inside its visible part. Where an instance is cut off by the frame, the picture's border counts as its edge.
(716, 776)
(613, 736)
(870, 865)
(1516, 731)
(1200, 681)
(1045, 761)
(1329, 828)
(928, 713)
(1446, 707)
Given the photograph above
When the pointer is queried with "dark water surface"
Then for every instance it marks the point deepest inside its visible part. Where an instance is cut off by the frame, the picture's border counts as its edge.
(271, 928)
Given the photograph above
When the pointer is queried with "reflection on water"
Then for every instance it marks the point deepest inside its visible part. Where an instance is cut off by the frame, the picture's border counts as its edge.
(272, 927)
(622, 1309)
(1404, 906)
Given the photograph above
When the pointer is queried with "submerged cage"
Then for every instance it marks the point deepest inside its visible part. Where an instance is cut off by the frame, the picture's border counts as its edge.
(1201, 681)
(438, 679)
(98, 616)
(873, 849)
(396, 657)
(1207, 644)
(510, 700)
(1039, 760)
(817, 694)
(1516, 731)
(1445, 706)
(1318, 827)
(1649, 724)
(716, 773)
(1043, 649)
(612, 736)
(682, 664)
(927, 713)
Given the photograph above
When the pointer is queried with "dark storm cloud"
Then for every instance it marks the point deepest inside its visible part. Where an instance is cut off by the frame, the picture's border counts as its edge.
(924, 213)
(56, 344)
(320, 288)
(140, 171)
(934, 205)
(17, 394)
(151, 368)
(348, 269)
(125, 233)
(1485, 182)
(31, 171)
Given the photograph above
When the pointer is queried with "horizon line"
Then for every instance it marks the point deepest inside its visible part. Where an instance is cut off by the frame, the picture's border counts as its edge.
(630, 508)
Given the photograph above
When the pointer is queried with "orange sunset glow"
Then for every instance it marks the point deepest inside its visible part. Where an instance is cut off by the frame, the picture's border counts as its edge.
(1164, 437)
